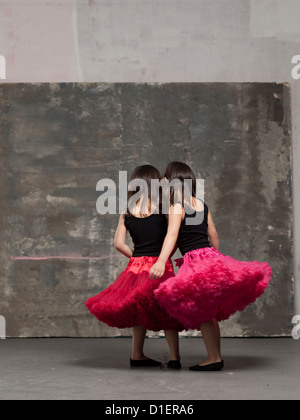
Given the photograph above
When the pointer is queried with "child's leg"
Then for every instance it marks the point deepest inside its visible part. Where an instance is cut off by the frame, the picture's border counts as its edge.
(138, 359)
(217, 326)
(212, 342)
(138, 341)
(173, 341)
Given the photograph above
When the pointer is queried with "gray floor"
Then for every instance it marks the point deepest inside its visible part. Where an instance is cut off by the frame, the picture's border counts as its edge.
(75, 369)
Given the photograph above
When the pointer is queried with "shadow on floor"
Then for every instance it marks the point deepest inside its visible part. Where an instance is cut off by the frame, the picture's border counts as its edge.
(232, 363)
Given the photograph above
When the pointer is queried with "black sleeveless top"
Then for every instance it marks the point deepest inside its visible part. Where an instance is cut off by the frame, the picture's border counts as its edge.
(148, 234)
(194, 236)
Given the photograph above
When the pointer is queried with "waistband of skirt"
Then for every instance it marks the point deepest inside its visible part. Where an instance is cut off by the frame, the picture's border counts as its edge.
(197, 253)
(146, 260)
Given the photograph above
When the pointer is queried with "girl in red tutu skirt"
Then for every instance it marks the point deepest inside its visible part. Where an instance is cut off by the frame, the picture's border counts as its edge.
(129, 302)
(209, 287)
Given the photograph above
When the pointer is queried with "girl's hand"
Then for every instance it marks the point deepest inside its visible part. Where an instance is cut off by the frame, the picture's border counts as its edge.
(158, 270)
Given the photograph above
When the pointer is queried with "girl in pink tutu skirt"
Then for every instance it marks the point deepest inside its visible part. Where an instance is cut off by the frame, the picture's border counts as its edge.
(129, 302)
(209, 287)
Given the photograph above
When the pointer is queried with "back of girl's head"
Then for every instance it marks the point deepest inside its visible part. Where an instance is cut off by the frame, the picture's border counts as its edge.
(182, 172)
(146, 173)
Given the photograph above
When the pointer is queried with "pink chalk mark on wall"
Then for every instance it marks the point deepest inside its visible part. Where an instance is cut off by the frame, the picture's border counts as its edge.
(69, 257)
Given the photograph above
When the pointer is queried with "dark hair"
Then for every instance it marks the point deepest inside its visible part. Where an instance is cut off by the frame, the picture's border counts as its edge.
(182, 172)
(146, 173)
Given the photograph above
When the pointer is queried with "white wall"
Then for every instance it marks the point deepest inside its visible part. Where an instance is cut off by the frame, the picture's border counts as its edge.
(157, 41)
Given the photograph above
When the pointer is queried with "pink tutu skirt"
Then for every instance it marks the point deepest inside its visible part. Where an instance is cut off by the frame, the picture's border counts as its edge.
(130, 301)
(211, 285)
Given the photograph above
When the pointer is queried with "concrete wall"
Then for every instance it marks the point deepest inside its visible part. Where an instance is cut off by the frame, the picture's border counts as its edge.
(60, 139)
(165, 41)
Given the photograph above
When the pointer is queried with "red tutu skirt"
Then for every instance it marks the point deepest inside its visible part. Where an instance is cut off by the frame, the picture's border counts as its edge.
(211, 285)
(130, 301)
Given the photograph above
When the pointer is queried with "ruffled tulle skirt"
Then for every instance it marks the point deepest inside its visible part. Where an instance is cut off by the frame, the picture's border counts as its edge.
(130, 301)
(211, 285)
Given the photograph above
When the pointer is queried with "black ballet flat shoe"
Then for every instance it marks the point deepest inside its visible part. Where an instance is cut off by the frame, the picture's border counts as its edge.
(174, 364)
(208, 368)
(145, 363)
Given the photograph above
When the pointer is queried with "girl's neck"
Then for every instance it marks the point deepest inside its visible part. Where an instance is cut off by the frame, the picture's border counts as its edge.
(140, 212)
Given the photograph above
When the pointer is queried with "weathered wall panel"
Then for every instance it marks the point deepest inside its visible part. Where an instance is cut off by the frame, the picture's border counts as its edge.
(58, 140)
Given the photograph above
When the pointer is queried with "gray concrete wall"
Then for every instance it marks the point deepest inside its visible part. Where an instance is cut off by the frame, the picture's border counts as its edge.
(60, 139)
(165, 41)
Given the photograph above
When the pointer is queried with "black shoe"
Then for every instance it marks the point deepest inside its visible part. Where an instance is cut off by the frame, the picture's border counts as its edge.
(145, 363)
(208, 368)
(174, 364)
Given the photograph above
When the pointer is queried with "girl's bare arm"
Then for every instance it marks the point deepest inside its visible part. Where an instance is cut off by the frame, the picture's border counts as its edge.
(175, 220)
(120, 239)
(212, 233)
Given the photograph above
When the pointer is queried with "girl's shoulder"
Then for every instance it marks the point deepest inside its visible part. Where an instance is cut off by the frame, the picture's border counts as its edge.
(197, 205)
(124, 217)
(177, 207)
(201, 205)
